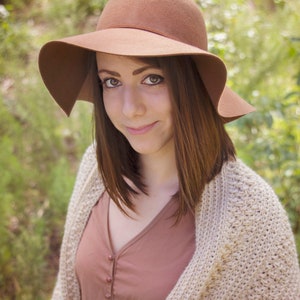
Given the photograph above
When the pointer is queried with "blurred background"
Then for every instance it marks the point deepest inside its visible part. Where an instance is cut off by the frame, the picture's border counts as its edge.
(40, 148)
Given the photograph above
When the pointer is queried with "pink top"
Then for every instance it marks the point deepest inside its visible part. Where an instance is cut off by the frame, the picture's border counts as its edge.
(147, 267)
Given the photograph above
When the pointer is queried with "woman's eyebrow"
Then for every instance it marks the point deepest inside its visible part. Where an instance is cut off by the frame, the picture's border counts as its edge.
(113, 73)
(142, 69)
(135, 72)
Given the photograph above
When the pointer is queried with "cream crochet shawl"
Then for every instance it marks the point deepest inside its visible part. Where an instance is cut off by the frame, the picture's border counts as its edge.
(244, 244)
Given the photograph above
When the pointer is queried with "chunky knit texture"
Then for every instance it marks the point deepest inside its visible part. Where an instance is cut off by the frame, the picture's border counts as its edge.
(244, 244)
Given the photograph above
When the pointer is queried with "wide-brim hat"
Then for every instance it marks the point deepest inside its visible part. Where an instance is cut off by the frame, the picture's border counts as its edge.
(138, 28)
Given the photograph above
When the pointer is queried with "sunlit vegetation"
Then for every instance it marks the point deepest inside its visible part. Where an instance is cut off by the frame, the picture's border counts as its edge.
(40, 148)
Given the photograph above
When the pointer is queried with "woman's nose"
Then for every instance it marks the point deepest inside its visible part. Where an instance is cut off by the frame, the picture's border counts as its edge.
(133, 104)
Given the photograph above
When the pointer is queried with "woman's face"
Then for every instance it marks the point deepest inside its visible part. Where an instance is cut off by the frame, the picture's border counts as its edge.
(137, 101)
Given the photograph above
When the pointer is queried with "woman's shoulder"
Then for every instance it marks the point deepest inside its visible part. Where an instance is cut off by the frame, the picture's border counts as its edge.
(242, 221)
(244, 184)
(241, 196)
(89, 156)
(246, 200)
(253, 206)
(86, 175)
(88, 162)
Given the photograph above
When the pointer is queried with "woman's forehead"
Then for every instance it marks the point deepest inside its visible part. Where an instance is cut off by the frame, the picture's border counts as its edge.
(106, 59)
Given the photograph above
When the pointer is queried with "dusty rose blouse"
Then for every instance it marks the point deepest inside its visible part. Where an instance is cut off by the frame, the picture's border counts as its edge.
(147, 267)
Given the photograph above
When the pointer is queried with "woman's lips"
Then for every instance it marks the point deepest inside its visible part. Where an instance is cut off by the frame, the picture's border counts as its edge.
(141, 129)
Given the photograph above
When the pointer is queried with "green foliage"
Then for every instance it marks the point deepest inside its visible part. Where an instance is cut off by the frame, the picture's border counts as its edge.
(67, 16)
(14, 45)
(40, 148)
(18, 4)
(262, 50)
(39, 154)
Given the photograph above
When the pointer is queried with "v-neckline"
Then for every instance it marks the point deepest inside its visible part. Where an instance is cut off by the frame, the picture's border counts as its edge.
(139, 235)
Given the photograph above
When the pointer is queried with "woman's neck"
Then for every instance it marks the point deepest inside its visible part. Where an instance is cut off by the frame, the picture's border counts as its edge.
(159, 172)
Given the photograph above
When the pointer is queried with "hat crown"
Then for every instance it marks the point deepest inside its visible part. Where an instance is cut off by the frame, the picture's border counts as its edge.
(180, 20)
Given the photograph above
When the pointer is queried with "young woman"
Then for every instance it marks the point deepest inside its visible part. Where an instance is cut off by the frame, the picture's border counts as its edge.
(161, 208)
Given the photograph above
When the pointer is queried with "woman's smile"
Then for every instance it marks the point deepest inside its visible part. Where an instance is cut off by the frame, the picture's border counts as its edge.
(138, 130)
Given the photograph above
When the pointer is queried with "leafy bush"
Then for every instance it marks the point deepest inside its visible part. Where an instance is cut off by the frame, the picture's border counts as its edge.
(40, 148)
(39, 154)
(261, 49)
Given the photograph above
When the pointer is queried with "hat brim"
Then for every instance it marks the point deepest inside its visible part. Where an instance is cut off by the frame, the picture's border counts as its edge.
(65, 69)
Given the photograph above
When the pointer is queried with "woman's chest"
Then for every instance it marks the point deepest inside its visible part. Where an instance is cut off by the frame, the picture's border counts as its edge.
(146, 266)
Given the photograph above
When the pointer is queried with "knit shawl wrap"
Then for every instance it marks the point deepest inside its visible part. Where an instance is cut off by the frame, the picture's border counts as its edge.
(245, 248)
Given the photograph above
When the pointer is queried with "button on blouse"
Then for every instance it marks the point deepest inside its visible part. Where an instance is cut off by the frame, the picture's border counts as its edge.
(147, 267)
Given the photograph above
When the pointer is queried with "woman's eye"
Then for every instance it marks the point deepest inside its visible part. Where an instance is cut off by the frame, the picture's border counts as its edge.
(153, 79)
(111, 82)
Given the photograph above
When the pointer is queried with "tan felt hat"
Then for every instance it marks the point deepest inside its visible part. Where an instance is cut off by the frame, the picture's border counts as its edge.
(138, 28)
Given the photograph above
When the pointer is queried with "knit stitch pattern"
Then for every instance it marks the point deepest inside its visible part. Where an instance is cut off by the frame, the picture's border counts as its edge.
(245, 248)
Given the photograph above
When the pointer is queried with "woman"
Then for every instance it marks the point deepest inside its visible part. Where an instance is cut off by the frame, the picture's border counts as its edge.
(161, 208)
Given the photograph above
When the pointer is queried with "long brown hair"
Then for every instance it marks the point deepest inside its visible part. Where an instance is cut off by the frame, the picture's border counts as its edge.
(202, 144)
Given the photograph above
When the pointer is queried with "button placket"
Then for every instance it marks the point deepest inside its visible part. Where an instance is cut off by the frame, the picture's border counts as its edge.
(110, 277)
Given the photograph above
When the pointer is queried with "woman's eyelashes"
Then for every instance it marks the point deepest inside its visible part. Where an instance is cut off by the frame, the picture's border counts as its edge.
(110, 82)
(152, 79)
